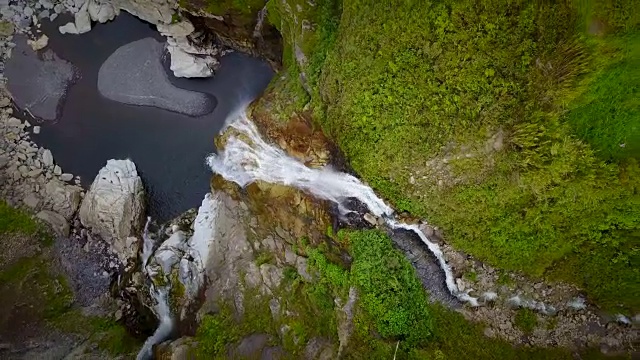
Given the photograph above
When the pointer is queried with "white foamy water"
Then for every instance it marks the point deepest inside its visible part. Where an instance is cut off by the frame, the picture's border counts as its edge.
(163, 331)
(190, 254)
(161, 308)
(247, 158)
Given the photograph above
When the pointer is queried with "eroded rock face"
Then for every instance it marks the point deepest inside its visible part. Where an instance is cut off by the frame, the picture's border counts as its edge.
(114, 206)
(134, 74)
(241, 29)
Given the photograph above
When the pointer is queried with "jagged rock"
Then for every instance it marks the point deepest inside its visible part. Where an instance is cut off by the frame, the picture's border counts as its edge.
(57, 222)
(190, 66)
(31, 201)
(83, 20)
(64, 198)
(152, 11)
(114, 206)
(6, 28)
(68, 28)
(229, 256)
(40, 43)
(271, 275)
(102, 11)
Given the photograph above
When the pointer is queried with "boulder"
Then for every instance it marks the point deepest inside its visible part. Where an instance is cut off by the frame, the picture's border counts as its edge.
(101, 11)
(83, 20)
(187, 65)
(114, 205)
(40, 43)
(57, 222)
(64, 199)
(68, 28)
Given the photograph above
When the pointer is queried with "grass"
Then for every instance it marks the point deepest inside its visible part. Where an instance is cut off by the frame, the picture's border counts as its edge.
(409, 84)
(607, 115)
(37, 295)
(13, 220)
(526, 320)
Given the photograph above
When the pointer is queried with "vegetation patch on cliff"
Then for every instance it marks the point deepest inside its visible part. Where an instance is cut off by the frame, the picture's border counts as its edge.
(488, 119)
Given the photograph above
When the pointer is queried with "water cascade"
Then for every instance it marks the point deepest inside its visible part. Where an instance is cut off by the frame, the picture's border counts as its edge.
(186, 255)
(159, 295)
(247, 158)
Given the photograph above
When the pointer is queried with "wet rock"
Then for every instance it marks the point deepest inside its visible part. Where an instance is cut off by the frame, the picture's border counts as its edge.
(188, 65)
(36, 130)
(57, 222)
(66, 177)
(114, 205)
(134, 74)
(40, 43)
(102, 11)
(371, 219)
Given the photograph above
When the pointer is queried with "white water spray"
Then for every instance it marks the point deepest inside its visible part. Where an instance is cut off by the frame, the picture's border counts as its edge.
(247, 158)
(159, 295)
(165, 327)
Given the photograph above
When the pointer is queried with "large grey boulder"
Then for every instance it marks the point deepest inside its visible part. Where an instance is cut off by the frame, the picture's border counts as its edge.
(64, 199)
(114, 205)
(134, 75)
(57, 222)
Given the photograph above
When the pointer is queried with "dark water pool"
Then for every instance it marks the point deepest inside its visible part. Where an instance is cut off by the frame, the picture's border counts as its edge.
(168, 148)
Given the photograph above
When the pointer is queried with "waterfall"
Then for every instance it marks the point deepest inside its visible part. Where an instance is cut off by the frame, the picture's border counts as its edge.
(163, 331)
(257, 30)
(159, 295)
(247, 158)
(178, 252)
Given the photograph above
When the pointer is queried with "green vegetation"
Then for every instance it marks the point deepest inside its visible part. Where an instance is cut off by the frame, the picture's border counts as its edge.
(390, 292)
(607, 115)
(245, 7)
(526, 320)
(107, 334)
(502, 122)
(37, 295)
(15, 221)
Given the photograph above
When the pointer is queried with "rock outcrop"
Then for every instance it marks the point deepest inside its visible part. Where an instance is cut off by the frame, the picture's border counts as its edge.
(114, 206)
(64, 198)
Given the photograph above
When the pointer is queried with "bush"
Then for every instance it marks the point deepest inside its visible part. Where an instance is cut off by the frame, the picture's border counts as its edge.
(389, 289)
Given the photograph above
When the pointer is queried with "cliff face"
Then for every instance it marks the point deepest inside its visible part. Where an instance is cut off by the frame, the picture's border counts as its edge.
(239, 25)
